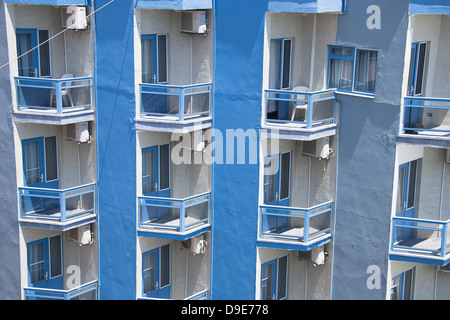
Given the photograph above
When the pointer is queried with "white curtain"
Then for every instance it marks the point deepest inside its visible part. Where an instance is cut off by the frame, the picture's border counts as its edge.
(366, 71)
(26, 63)
(148, 171)
(32, 164)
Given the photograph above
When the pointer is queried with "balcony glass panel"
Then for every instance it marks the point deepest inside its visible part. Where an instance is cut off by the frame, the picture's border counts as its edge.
(54, 96)
(177, 103)
(170, 214)
(87, 291)
(290, 223)
(424, 237)
(305, 109)
(426, 115)
(56, 205)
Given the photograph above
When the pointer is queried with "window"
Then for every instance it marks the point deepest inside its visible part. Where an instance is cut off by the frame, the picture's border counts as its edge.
(274, 279)
(352, 69)
(36, 63)
(402, 286)
(156, 272)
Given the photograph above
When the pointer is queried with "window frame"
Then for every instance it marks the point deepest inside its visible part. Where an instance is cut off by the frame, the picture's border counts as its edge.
(354, 58)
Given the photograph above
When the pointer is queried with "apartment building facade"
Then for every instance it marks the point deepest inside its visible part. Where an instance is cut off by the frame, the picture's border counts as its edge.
(208, 149)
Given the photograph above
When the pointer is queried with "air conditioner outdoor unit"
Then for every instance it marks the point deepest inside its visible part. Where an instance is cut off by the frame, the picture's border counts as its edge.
(82, 235)
(445, 268)
(198, 142)
(193, 21)
(319, 148)
(74, 17)
(78, 132)
(315, 255)
(198, 245)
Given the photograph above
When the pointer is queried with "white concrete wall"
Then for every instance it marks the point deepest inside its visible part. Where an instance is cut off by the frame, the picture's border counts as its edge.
(185, 179)
(73, 255)
(300, 27)
(71, 172)
(190, 57)
(189, 273)
(306, 281)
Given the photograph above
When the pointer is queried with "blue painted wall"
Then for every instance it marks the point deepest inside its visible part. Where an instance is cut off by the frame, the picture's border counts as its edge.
(9, 224)
(368, 130)
(237, 105)
(116, 149)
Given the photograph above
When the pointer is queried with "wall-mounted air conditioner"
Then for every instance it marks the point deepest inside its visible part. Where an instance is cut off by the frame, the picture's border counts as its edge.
(198, 141)
(316, 255)
(198, 245)
(82, 235)
(445, 268)
(78, 132)
(193, 21)
(319, 148)
(74, 17)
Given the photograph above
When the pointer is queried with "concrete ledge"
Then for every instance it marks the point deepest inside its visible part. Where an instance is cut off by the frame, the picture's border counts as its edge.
(54, 119)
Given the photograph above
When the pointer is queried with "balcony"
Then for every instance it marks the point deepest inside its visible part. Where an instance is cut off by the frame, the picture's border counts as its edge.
(300, 115)
(172, 108)
(426, 121)
(422, 240)
(86, 291)
(57, 209)
(171, 218)
(285, 227)
(53, 101)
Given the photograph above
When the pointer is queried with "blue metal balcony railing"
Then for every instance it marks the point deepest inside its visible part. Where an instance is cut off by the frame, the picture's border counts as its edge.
(170, 214)
(201, 295)
(299, 224)
(420, 236)
(432, 122)
(307, 109)
(175, 103)
(86, 291)
(55, 205)
(56, 96)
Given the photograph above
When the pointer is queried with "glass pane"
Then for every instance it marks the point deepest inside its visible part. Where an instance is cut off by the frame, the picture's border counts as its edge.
(286, 77)
(342, 51)
(26, 63)
(274, 70)
(148, 272)
(164, 163)
(51, 159)
(400, 189)
(282, 278)
(55, 256)
(285, 174)
(411, 70)
(162, 59)
(165, 266)
(147, 60)
(408, 290)
(412, 184)
(270, 180)
(32, 163)
(44, 53)
(420, 68)
(148, 171)
(266, 282)
(36, 265)
(341, 74)
(366, 71)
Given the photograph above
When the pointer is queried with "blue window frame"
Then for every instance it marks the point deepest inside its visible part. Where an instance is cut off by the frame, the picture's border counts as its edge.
(37, 62)
(45, 265)
(403, 286)
(352, 69)
(274, 277)
(154, 58)
(156, 266)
